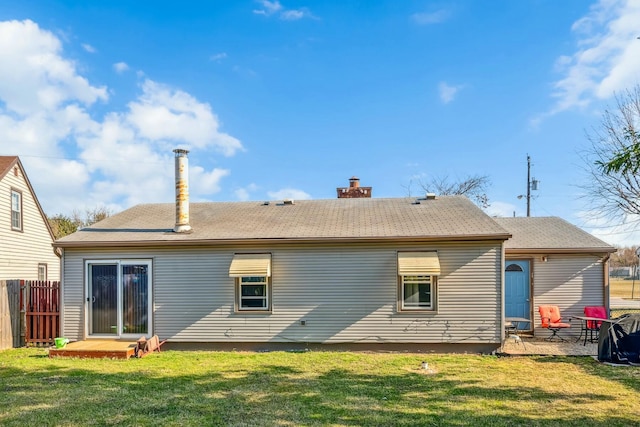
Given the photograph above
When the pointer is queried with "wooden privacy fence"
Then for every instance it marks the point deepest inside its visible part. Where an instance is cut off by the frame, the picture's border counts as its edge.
(42, 304)
(30, 312)
(10, 319)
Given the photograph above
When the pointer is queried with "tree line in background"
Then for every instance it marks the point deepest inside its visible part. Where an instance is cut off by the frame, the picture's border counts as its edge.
(63, 225)
(624, 257)
(624, 263)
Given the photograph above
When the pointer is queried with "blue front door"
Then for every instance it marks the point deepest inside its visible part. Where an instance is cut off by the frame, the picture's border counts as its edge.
(517, 290)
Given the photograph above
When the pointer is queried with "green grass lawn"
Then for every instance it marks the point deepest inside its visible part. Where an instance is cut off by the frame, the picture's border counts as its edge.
(624, 288)
(314, 388)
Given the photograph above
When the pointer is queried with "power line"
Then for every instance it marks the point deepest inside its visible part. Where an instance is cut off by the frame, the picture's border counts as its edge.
(124, 160)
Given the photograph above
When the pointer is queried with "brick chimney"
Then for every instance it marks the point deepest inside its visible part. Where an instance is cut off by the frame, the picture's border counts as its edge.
(182, 192)
(353, 191)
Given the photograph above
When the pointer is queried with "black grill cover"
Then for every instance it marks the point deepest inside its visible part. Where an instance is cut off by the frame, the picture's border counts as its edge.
(619, 340)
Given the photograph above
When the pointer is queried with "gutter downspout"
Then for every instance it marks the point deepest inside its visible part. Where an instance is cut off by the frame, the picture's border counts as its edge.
(502, 299)
(606, 285)
(61, 287)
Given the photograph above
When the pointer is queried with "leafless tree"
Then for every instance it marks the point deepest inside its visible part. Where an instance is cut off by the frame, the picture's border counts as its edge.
(613, 159)
(474, 187)
(624, 257)
(91, 216)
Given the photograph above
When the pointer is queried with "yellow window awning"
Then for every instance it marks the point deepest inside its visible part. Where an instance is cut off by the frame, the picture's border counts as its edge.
(418, 264)
(244, 265)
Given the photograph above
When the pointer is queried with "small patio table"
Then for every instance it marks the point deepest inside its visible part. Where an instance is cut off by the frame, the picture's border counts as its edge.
(587, 332)
(512, 325)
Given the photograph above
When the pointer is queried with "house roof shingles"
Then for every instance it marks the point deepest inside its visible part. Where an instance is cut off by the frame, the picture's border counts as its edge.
(5, 164)
(444, 218)
(549, 233)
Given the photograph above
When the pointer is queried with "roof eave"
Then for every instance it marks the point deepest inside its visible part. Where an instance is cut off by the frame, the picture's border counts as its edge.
(45, 218)
(524, 251)
(210, 242)
(4, 172)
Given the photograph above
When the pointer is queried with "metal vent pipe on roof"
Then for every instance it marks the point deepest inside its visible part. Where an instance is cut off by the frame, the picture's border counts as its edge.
(182, 191)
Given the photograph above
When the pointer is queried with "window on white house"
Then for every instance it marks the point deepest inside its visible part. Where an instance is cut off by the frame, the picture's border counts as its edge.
(253, 293)
(252, 273)
(418, 292)
(16, 210)
(417, 279)
(42, 272)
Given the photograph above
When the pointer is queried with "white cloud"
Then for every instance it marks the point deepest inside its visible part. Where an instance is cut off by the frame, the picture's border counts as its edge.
(502, 209)
(270, 8)
(428, 18)
(120, 67)
(607, 58)
(205, 183)
(34, 76)
(288, 193)
(167, 114)
(244, 194)
(448, 92)
(292, 15)
(247, 73)
(626, 233)
(218, 56)
(89, 48)
(77, 162)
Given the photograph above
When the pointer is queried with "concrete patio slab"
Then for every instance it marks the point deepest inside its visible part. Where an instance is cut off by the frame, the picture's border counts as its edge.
(539, 347)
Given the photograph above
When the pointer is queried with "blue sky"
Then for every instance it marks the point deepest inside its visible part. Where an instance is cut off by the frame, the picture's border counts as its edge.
(289, 99)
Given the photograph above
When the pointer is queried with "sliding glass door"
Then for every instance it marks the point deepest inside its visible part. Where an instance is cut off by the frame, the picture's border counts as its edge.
(119, 298)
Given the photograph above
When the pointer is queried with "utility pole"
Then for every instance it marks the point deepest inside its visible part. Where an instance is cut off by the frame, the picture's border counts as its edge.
(528, 185)
(532, 184)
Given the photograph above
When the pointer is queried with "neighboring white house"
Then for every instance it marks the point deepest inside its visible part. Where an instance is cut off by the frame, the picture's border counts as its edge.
(621, 272)
(26, 250)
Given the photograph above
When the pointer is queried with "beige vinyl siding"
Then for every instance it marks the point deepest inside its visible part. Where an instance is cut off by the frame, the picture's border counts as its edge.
(569, 281)
(72, 289)
(346, 294)
(22, 251)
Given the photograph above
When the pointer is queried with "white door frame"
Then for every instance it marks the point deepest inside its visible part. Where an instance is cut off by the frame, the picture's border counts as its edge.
(119, 292)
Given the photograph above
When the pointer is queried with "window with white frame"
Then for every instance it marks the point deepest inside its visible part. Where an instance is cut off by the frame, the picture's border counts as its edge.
(253, 293)
(16, 210)
(418, 292)
(42, 272)
(417, 280)
(252, 273)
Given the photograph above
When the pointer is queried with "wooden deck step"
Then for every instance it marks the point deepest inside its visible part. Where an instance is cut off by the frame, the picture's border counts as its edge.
(96, 349)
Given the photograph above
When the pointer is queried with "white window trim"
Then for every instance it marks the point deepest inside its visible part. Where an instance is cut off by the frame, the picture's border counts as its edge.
(46, 271)
(238, 289)
(413, 308)
(17, 193)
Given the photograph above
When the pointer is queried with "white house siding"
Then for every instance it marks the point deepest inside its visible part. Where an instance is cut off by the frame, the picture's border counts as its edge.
(22, 251)
(345, 293)
(569, 281)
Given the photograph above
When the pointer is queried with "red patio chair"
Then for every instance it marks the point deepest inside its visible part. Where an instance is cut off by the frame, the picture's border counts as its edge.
(551, 319)
(593, 326)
